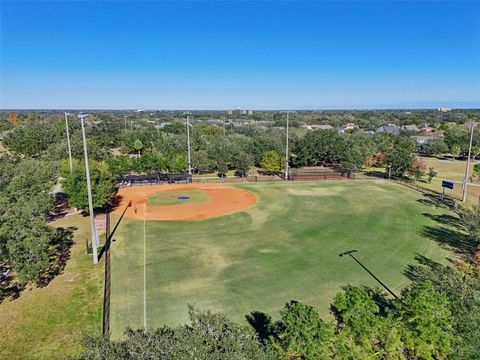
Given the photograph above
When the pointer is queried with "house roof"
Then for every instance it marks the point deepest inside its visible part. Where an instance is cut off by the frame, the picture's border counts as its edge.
(389, 129)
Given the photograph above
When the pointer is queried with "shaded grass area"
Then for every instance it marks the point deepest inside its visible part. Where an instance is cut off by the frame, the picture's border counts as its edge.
(284, 248)
(49, 322)
(173, 197)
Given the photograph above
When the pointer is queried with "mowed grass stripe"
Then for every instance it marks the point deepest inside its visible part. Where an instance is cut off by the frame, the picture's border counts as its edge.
(285, 247)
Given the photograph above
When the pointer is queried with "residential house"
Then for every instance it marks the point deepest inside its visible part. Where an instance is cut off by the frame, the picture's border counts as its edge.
(389, 129)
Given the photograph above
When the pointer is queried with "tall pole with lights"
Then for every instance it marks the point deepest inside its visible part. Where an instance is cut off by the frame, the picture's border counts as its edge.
(68, 143)
(286, 153)
(89, 193)
(188, 148)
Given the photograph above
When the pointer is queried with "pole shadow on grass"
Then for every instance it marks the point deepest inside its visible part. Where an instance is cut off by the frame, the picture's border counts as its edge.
(109, 239)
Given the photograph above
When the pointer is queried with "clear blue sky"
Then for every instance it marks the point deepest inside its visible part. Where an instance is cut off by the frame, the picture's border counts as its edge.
(221, 55)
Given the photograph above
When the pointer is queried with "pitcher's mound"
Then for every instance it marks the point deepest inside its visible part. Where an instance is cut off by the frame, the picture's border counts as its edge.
(218, 200)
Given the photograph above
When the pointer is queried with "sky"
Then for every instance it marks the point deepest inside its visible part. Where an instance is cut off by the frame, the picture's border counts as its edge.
(250, 55)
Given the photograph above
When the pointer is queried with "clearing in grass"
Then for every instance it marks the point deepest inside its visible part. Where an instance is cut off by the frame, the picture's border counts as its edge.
(283, 248)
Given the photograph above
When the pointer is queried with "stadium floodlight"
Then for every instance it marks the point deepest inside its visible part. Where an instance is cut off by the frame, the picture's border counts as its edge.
(188, 148)
(82, 117)
(286, 153)
(349, 253)
(471, 126)
(68, 142)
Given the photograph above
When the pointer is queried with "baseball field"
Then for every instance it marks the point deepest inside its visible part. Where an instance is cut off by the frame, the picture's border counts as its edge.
(281, 244)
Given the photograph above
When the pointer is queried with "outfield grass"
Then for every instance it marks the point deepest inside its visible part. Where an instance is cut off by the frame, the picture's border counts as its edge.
(286, 247)
(172, 197)
(49, 322)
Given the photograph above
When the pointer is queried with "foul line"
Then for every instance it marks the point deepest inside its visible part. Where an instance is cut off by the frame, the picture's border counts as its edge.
(144, 273)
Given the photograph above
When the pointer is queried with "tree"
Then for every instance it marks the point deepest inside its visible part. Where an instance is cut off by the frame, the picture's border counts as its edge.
(461, 289)
(455, 150)
(243, 162)
(208, 336)
(75, 184)
(201, 161)
(427, 330)
(119, 165)
(475, 151)
(358, 314)
(303, 334)
(321, 147)
(25, 198)
(431, 174)
(418, 169)
(13, 118)
(400, 158)
(272, 162)
(138, 145)
(434, 147)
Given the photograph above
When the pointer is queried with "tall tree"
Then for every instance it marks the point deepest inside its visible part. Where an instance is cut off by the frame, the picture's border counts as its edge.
(75, 184)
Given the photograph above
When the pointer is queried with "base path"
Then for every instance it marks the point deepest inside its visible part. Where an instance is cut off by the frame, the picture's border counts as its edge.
(223, 200)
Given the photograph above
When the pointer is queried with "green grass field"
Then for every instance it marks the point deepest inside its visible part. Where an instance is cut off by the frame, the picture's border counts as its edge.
(172, 197)
(286, 247)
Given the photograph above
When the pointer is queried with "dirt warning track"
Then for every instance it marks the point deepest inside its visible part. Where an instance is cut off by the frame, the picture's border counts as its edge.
(223, 200)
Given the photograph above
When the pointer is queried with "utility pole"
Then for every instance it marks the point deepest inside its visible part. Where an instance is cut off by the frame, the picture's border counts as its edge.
(465, 180)
(68, 143)
(188, 148)
(89, 192)
(286, 153)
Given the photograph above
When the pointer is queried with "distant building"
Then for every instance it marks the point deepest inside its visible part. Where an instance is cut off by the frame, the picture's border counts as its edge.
(214, 122)
(444, 109)
(317, 127)
(428, 129)
(240, 112)
(349, 126)
(389, 129)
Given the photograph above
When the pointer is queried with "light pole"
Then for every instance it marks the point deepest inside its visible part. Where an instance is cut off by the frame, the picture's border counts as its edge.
(465, 180)
(68, 143)
(89, 193)
(286, 153)
(188, 148)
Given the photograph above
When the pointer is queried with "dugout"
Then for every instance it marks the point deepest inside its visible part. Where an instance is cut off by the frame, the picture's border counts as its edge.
(320, 173)
(151, 179)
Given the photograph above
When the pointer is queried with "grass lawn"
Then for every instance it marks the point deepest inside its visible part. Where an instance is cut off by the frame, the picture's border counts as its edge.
(285, 247)
(172, 197)
(453, 170)
(447, 170)
(49, 322)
